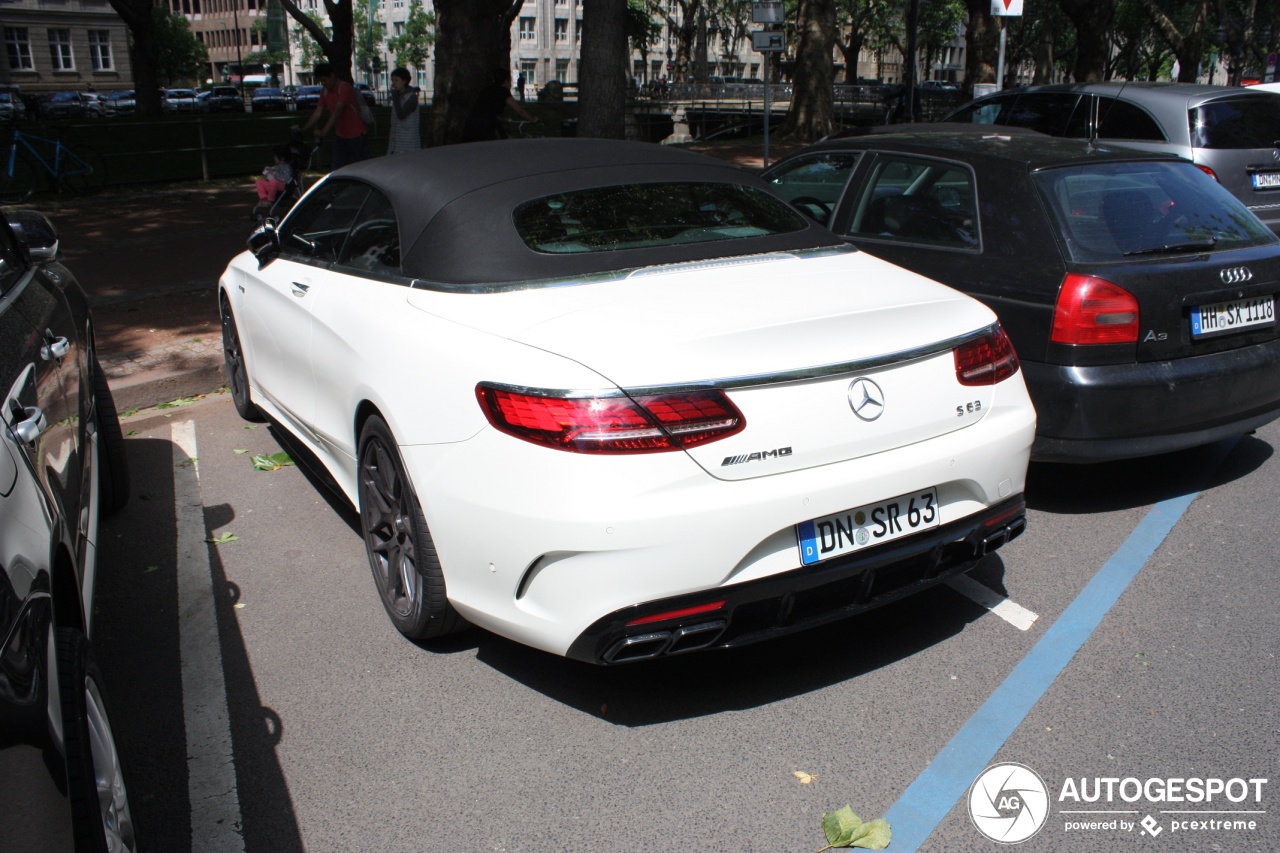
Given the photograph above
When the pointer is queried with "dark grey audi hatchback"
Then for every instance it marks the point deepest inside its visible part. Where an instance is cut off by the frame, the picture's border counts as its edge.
(1139, 293)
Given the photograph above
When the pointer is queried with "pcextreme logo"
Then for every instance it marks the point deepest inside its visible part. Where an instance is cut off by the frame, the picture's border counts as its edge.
(1010, 803)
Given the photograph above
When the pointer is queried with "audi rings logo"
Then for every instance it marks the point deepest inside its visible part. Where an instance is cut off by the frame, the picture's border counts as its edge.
(866, 399)
(1008, 803)
(1235, 275)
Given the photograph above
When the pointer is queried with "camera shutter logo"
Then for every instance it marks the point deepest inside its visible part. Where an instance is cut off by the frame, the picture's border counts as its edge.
(1009, 803)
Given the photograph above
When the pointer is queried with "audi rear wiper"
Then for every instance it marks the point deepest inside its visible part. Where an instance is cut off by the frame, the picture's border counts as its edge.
(1172, 248)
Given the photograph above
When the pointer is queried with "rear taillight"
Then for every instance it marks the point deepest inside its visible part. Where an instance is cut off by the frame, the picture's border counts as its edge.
(986, 360)
(612, 424)
(1094, 311)
(1208, 172)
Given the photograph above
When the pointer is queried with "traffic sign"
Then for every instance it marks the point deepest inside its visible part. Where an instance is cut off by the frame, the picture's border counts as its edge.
(767, 12)
(768, 41)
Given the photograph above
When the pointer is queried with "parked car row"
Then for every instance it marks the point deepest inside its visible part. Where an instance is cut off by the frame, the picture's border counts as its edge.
(1138, 291)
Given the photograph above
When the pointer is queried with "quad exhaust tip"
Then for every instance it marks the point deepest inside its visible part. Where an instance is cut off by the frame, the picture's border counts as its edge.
(687, 638)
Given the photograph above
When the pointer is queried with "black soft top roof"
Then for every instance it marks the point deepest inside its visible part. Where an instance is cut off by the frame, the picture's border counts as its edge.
(454, 205)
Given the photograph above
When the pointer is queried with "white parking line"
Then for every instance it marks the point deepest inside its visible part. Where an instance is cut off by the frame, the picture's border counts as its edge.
(211, 769)
(1015, 614)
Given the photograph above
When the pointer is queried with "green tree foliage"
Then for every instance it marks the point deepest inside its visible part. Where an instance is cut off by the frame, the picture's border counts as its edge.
(412, 47)
(180, 56)
(265, 57)
(307, 48)
(369, 37)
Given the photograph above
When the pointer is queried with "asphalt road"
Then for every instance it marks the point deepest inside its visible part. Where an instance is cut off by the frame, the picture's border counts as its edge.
(338, 735)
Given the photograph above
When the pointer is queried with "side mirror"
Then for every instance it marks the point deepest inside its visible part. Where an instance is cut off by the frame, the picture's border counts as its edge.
(34, 230)
(264, 243)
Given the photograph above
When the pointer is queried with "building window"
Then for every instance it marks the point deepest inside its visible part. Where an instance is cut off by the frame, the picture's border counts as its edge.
(529, 68)
(562, 30)
(562, 70)
(527, 33)
(17, 45)
(60, 50)
(100, 50)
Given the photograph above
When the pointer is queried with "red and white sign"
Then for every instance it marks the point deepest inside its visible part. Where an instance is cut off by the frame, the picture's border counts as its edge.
(1006, 8)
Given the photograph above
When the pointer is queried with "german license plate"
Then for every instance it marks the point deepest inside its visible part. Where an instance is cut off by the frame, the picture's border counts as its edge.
(867, 526)
(1232, 316)
(1266, 180)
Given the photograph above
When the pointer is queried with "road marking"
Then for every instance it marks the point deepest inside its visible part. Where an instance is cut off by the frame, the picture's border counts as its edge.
(1011, 612)
(211, 769)
(933, 794)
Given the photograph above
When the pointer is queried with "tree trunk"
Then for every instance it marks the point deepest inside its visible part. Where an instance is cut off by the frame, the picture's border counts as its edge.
(473, 42)
(1092, 20)
(338, 51)
(811, 114)
(982, 44)
(137, 16)
(602, 73)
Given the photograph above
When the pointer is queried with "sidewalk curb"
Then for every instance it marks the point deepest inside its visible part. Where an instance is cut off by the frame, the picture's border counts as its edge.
(148, 390)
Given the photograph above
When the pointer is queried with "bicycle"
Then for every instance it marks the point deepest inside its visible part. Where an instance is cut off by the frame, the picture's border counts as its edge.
(81, 171)
(527, 129)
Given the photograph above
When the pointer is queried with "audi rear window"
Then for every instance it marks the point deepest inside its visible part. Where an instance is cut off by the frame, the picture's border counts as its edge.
(1236, 123)
(1119, 210)
(645, 216)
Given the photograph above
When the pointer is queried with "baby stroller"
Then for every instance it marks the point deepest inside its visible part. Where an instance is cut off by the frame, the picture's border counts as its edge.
(299, 159)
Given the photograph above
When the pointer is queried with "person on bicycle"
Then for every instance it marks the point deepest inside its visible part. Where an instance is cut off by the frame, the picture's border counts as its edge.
(485, 119)
(350, 133)
(406, 129)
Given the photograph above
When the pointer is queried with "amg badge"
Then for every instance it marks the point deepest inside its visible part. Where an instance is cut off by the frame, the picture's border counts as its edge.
(756, 457)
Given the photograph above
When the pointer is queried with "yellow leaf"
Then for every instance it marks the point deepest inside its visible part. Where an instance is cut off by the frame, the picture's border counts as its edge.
(805, 778)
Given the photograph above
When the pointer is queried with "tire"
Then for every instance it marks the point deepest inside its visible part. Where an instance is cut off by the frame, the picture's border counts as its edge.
(101, 817)
(87, 177)
(237, 370)
(113, 459)
(402, 555)
(19, 187)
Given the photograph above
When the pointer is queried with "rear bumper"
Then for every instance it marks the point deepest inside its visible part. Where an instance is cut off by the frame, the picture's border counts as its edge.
(802, 598)
(1100, 413)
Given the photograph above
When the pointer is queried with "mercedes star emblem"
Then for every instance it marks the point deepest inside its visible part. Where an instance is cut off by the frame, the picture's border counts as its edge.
(866, 399)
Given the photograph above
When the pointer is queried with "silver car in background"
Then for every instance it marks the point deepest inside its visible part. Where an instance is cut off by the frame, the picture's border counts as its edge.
(1230, 132)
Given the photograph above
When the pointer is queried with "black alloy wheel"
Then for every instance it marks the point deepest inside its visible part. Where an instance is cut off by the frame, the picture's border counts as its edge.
(237, 372)
(401, 553)
(102, 819)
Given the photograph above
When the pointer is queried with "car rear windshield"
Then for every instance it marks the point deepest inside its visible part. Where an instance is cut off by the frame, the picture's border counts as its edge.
(643, 216)
(1236, 123)
(1110, 211)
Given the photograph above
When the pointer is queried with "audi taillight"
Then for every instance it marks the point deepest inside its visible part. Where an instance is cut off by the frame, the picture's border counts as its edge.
(986, 360)
(613, 423)
(1094, 311)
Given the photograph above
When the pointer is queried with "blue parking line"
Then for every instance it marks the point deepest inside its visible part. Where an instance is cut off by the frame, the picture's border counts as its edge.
(935, 791)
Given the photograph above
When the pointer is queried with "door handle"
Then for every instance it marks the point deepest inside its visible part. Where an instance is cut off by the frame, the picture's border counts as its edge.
(54, 348)
(31, 427)
(299, 289)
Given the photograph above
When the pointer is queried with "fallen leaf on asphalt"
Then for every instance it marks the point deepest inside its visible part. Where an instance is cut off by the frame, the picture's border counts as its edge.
(223, 538)
(843, 828)
(805, 778)
(239, 451)
(239, 605)
(132, 432)
(250, 426)
(151, 569)
(274, 462)
(181, 401)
